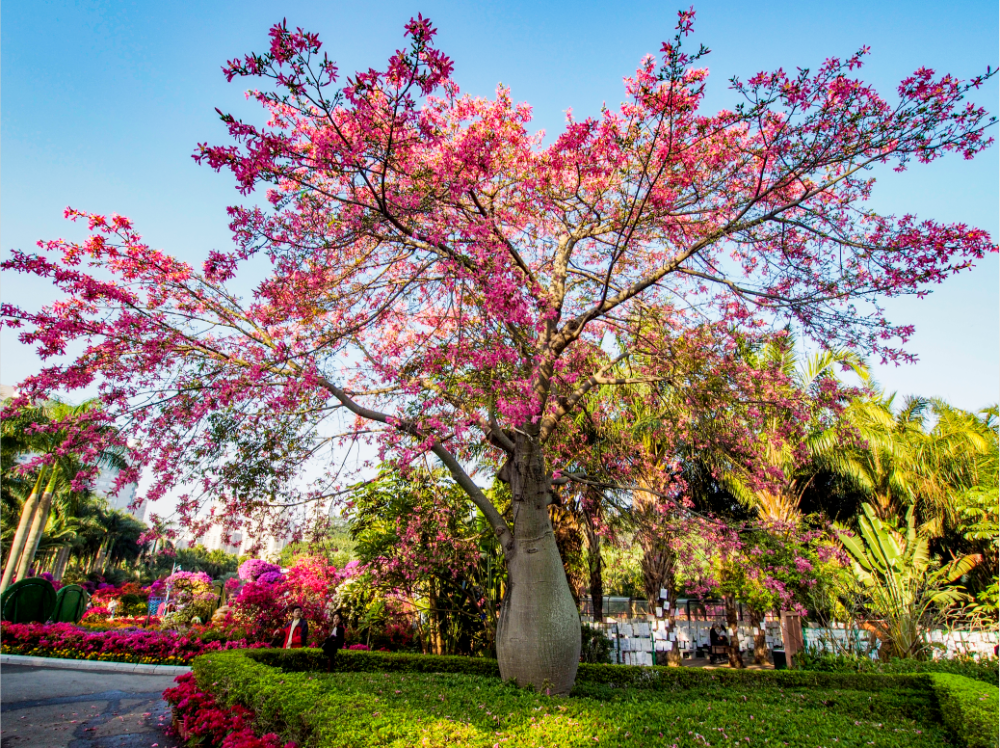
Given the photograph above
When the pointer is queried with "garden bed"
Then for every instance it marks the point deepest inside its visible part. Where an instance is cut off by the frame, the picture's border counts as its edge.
(140, 646)
(402, 700)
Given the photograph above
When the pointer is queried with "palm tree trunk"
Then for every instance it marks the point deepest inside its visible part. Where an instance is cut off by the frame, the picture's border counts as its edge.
(20, 537)
(62, 558)
(38, 523)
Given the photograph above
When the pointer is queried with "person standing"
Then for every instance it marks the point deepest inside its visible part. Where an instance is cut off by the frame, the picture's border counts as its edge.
(334, 642)
(296, 633)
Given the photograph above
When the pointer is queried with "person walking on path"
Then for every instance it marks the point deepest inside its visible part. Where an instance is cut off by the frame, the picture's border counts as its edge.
(334, 642)
(296, 633)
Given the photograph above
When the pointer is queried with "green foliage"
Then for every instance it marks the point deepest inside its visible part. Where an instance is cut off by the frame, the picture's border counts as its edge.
(969, 709)
(334, 543)
(595, 645)
(425, 541)
(905, 588)
(379, 699)
(981, 669)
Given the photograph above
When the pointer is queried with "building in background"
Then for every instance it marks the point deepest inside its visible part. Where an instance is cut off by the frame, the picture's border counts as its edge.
(104, 485)
(269, 545)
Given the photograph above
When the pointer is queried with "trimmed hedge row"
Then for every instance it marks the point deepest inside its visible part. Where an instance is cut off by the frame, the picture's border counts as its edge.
(401, 699)
(969, 708)
(612, 676)
(984, 669)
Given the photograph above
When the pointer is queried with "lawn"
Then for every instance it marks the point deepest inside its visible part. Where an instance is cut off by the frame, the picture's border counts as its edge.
(389, 702)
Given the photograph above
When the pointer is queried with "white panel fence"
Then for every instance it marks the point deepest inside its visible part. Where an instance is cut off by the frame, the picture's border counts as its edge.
(641, 641)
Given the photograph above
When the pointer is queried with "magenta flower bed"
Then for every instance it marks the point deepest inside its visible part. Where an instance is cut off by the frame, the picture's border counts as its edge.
(121, 645)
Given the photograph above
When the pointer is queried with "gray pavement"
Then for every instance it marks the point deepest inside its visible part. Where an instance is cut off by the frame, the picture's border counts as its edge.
(61, 708)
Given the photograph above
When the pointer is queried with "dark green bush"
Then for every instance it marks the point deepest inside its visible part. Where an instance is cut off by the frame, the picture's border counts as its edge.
(595, 646)
(382, 698)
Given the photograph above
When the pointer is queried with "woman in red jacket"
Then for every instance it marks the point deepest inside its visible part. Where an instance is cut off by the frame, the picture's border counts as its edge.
(296, 633)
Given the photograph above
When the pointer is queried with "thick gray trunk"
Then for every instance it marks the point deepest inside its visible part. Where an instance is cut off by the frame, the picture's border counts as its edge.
(538, 635)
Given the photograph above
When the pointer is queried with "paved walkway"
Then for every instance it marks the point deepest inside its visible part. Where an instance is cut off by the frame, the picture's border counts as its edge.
(62, 708)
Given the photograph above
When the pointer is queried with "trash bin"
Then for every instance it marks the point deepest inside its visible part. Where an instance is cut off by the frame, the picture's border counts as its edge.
(780, 663)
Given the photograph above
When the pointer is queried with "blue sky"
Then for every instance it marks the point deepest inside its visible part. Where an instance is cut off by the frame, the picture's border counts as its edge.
(103, 103)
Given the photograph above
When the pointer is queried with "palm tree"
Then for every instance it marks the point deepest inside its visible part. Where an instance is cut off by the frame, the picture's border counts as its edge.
(32, 432)
(899, 461)
(778, 499)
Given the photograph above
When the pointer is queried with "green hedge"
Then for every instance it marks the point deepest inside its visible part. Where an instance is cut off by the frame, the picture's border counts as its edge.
(970, 709)
(983, 669)
(589, 675)
(382, 699)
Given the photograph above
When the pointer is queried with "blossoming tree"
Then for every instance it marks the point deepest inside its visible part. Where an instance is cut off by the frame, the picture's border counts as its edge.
(451, 281)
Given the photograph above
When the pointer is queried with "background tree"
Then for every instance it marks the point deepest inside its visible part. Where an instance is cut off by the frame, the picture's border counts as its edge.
(471, 273)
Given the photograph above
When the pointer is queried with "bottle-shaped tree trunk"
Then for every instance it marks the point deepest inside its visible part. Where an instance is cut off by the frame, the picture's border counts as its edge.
(538, 636)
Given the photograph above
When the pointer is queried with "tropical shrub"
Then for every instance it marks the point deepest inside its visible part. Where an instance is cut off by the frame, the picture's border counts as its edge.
(595, 645)
(905, 589)
(261, 604)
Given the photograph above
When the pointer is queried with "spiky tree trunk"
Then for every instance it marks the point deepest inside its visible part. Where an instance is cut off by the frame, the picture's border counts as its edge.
(733, 622)
(23, 530)
(538, 636)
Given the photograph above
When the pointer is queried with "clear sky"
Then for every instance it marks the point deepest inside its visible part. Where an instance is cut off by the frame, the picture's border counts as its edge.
(103, 103)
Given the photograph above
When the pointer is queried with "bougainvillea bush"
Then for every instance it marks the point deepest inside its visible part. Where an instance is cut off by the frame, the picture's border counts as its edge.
(132, 598)
(64, 640)
(200, 720)
(264, 601)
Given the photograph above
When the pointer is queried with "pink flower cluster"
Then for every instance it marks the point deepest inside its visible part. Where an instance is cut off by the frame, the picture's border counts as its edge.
(167, 646)
(201, 720)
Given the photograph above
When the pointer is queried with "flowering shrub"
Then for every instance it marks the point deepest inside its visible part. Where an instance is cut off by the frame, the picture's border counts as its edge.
(263, 602)
(97, 613)
(148, 622)
(132, 598)
(192, 595)
(56, 584)
(270, 577)
(201, 720)
(251, 570)
(118, 645)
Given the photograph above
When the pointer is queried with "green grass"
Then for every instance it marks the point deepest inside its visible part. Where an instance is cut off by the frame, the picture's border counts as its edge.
(409, 705)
